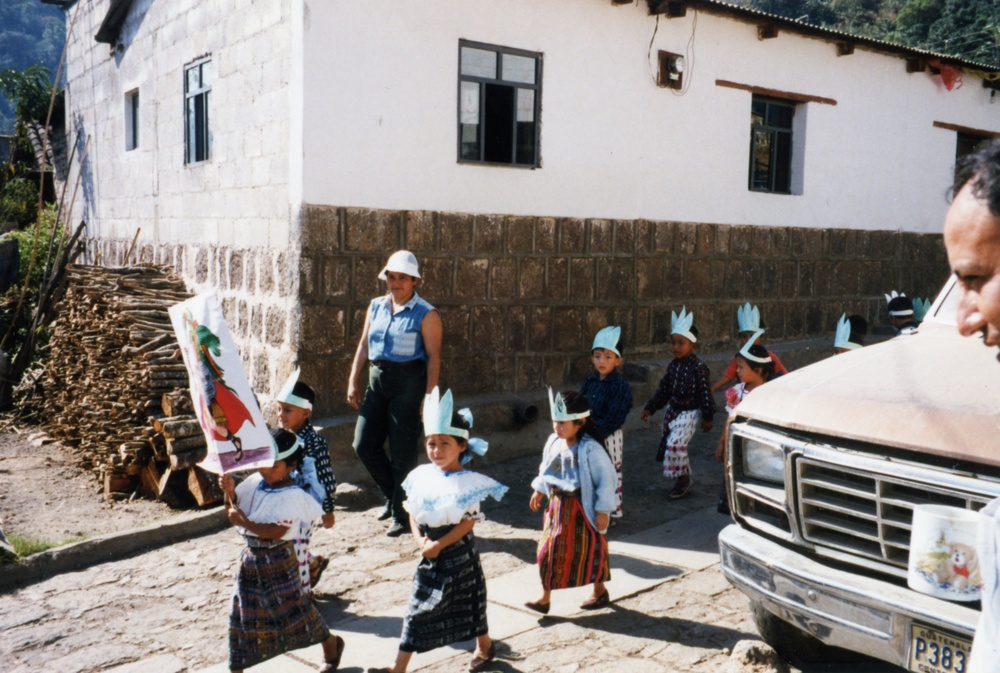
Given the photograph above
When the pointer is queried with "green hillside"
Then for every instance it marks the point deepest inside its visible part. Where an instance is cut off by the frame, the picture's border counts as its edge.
(30, 33)
(964, 28)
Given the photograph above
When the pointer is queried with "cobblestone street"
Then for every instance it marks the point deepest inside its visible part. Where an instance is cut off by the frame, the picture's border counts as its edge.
(165, 611)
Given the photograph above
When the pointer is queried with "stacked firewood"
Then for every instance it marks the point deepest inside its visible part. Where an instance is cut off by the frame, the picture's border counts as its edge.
(114, 386)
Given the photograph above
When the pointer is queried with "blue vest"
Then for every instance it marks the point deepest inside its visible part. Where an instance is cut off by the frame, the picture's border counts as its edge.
(397, 337)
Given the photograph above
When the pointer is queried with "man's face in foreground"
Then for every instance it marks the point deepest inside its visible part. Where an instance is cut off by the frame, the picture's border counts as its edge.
(972, 238)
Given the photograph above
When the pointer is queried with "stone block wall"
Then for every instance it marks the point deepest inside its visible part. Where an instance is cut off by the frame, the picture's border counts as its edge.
(521, 297)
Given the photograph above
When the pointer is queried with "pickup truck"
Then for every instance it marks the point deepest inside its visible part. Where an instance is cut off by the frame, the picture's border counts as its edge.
(824, 468)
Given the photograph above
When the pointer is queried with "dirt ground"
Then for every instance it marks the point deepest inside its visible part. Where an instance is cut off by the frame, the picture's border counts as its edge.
(46, 495)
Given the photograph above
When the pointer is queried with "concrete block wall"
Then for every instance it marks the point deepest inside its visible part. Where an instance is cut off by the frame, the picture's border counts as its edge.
(237, 198)
(521, 297)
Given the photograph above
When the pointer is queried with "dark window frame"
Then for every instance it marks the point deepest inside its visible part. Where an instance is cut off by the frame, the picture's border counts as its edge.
(498, 84)
(778, 178)
(198, 141)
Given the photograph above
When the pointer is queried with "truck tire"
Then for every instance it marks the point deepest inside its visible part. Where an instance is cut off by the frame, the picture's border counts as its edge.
(798, 648)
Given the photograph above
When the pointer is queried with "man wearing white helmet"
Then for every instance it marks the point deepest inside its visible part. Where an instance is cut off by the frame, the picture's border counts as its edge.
(402, 340)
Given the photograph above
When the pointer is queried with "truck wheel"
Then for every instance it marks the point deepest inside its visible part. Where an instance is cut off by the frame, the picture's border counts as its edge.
(798, 648)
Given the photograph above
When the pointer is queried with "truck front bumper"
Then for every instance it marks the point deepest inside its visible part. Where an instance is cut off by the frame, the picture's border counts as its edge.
(839, 608)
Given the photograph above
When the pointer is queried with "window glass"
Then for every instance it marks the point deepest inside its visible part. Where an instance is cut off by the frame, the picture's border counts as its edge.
(479, 63)
(469, 121)
(197, 131)
(518, 69)
(779, 115)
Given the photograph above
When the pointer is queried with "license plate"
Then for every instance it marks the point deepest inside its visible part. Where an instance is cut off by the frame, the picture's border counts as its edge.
(932, 651)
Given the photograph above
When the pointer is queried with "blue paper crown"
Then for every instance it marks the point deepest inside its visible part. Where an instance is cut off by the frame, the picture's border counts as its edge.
(607, 339)
(681, 324)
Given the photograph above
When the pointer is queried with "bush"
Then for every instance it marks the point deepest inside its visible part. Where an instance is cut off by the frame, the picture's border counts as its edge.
(19, 202)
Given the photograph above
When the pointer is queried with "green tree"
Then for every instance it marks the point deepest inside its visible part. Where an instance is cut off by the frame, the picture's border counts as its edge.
(914, 21)
(29, 90)
(817, 12)
(30, 33)
(966, 28)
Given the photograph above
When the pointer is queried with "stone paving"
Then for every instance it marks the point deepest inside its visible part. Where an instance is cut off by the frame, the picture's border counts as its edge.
(165, 611)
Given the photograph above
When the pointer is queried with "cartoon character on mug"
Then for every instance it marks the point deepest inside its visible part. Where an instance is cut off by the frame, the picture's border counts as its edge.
(960, 569)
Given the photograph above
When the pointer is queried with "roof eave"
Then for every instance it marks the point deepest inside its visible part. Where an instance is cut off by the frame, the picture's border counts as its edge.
(745, 14)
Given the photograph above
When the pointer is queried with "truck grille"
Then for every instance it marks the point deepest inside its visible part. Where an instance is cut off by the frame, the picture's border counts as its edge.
(868, 513)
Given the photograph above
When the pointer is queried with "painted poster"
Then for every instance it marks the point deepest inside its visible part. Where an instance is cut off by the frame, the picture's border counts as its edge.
(238, 437)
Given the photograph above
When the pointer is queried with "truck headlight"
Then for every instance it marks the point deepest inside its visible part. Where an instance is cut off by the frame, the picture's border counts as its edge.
(763, 461)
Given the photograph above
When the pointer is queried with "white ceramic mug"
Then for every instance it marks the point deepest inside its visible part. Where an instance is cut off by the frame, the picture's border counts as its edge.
(943, 560)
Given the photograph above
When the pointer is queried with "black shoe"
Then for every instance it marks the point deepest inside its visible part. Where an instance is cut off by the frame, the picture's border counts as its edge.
(396, 529)
(386, 511)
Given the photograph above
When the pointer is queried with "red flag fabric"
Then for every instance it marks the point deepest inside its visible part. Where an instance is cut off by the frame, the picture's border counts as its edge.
(951, 76)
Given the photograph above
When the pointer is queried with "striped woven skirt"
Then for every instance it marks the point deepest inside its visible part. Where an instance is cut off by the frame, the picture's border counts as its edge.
(448, 603)
(270, 613)
(571, 552)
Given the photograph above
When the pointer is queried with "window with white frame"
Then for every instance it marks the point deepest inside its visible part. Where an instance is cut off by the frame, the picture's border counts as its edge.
(499, 99)
(197, 94)
(131, 120)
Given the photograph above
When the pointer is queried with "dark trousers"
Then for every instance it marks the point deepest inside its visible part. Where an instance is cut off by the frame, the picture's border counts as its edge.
(391, 410)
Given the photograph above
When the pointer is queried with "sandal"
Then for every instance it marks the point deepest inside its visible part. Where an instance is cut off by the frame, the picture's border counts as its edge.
(321, 563)
(334, 664)
(596, 602)
(538, 606)
(478, 663)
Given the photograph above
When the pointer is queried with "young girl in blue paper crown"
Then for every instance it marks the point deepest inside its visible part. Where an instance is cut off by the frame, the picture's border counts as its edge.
(270, 612)
(448, 603)
(577, 477)
(685, 391)
(754, 367)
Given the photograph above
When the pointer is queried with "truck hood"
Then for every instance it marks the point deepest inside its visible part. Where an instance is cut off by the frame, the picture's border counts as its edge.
(934, 391)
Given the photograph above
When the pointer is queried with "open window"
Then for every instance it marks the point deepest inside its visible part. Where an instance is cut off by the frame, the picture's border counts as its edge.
(499, 100)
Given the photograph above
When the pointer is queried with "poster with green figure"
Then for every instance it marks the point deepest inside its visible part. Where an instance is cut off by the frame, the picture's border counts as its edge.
(226, 407)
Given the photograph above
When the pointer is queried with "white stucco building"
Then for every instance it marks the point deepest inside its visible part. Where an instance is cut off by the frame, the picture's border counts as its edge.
(558, 163)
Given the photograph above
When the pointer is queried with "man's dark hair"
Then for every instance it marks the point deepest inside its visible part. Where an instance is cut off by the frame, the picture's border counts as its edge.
(981, 170)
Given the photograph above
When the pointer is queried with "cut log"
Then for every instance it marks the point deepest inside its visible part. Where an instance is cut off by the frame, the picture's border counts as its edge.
(117, 483)
(176, 428)
(204, 487)
(185, 444)
(179, 461)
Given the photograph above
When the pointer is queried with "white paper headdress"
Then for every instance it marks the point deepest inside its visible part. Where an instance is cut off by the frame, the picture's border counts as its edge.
(748, 318)
(842, 339)
(607, 339)
(285, 394)
(289, 451)
(745, 351)
(907, 305)
(438, 411)
(681, 324)
(920, 309)
(557, 406)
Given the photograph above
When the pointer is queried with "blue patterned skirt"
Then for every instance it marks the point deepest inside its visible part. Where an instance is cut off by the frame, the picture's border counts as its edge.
(448, 603)
(270, 614)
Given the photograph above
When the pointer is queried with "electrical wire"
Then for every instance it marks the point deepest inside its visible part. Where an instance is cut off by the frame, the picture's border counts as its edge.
(688, 58)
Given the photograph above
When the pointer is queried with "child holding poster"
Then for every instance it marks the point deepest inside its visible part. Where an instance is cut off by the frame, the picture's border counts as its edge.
(270, 613)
